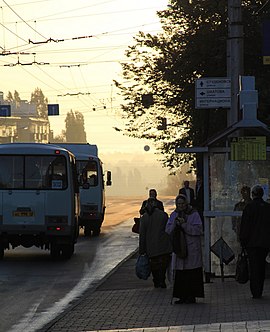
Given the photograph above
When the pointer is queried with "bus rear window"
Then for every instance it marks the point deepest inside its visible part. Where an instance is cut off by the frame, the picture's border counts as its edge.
(33, 172)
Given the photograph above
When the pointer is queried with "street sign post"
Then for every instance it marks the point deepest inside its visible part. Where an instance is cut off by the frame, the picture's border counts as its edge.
(213, 93)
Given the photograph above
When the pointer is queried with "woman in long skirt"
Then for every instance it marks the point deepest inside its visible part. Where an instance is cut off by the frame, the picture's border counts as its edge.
(188, 272)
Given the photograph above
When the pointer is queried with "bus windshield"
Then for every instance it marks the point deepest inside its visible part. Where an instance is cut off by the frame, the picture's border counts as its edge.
(88, 171)
(33, 172)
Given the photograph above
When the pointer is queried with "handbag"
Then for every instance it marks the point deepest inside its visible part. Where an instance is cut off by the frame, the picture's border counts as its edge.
(242, 269)
(136, 226)
(143, 269)
(179, 242)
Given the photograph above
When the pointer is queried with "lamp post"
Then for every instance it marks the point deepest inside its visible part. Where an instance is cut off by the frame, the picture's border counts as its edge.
(235, 67)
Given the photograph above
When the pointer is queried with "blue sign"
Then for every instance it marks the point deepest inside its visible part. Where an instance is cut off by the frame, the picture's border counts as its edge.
(5, 110)
(53, 109)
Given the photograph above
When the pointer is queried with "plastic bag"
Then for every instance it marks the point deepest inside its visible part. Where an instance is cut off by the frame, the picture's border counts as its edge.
(242, 269)
(143, 269)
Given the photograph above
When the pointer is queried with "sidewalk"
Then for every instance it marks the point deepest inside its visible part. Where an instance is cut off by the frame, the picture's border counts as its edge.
(124, 302)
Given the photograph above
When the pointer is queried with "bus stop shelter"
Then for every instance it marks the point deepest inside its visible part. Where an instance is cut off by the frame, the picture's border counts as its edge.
(238, 156)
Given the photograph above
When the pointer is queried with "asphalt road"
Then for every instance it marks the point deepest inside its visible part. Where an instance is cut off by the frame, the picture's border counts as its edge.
(35, 289)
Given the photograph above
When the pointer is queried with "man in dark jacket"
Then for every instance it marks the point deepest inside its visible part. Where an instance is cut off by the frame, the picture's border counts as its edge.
(188, 192)
(155, 242)
(255, 238)
(152, 194)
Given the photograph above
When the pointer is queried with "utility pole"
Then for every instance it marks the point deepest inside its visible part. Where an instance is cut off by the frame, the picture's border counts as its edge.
(235, 67)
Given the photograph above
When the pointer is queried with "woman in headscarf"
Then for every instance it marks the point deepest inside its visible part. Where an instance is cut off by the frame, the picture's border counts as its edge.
(188, 272)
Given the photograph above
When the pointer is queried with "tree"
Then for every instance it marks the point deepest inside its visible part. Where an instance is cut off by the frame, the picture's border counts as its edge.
(75, 131)
(165, 66)
(61, 138)
(9, 97)
(38, 98)
(14, 98)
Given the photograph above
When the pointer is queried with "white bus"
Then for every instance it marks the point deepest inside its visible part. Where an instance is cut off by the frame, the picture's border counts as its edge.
(39, 198)
(92, 186)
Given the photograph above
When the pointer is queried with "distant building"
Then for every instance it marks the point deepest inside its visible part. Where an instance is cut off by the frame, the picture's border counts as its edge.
(23, 125)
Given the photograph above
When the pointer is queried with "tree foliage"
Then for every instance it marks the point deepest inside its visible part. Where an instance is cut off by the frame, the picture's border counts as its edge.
(75, 131)
(61, 138)
(41, 102)
(15, 98)
(192, 44)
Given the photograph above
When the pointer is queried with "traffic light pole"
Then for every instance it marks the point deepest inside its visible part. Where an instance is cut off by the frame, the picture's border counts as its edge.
(234, 56)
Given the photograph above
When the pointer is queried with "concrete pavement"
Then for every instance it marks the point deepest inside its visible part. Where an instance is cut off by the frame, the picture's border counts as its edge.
(123, 302)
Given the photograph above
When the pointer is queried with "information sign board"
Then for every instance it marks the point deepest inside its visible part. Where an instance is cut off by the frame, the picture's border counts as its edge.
(53, 109)
(248, 148)
(5, 110)
(213, 93)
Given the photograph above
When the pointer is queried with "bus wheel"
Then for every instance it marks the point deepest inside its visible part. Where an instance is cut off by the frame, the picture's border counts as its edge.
(87, 230)
(55, 250)
(68, 250)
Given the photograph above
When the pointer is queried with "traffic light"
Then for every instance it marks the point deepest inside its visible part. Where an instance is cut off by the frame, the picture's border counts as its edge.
(163, 125)
(147, 100)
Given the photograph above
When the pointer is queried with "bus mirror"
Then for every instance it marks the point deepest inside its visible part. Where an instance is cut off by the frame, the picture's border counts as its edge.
(109, 178)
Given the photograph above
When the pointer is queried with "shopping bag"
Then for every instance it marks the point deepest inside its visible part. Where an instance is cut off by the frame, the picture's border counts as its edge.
(179, 243)
(242, 269)
(143, 269)
(136, 226)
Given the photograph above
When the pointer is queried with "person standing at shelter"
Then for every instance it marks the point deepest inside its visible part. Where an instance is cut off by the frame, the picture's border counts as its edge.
(188, 192)
(155, 242)
(246, 199)
(255, 238)
(152, 194)
(188, 280)
(199, 200)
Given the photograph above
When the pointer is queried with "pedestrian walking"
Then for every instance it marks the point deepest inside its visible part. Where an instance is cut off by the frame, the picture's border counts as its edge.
(152, 194)
(155, 242)
(188, 273)
(188, 192)
(255, 238)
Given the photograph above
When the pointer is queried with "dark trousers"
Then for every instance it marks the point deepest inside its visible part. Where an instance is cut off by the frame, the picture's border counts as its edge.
(256, 258)
(159, 266)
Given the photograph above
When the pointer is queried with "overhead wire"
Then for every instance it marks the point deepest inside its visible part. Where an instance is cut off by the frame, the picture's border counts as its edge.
(75, 9)
(44, 19)
(108, 33)
(115, 32)
(22, 19)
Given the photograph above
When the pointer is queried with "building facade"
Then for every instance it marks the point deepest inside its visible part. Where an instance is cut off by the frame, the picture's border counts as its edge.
(23, 125)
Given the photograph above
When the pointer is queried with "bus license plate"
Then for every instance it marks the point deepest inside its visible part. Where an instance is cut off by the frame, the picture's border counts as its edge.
(23, 213)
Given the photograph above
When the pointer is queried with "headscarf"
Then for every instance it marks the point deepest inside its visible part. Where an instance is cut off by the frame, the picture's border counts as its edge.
(189, 209)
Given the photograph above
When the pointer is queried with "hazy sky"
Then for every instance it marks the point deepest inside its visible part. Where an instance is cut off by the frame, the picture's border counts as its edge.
(71, 50)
